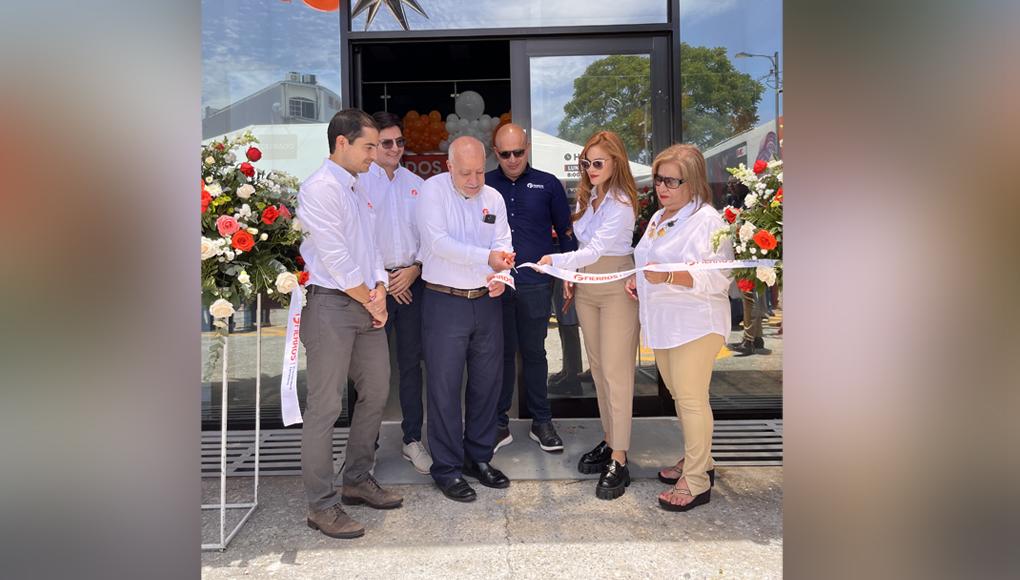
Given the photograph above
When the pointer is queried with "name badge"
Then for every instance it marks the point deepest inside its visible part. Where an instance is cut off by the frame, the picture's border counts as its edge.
(489, 218)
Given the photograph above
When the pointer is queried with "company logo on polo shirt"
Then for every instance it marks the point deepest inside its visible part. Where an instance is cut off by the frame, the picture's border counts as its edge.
(414, 193)
(485, 211)
(536, 186)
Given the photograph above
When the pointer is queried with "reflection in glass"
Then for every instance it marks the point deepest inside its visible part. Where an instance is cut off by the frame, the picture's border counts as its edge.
(457, 14)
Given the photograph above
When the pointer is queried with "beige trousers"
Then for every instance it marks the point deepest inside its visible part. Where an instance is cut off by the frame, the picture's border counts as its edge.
(687, 372)
(609, 321)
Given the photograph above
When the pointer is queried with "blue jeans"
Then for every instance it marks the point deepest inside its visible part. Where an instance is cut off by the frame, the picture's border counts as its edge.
(525, 325)
(405, 320)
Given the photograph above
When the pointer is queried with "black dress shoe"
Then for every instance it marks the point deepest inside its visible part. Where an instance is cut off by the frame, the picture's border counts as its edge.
(672, 480)
(546, 436)
(458, 490)
(614, 481)
(486, 474)
(596, 459)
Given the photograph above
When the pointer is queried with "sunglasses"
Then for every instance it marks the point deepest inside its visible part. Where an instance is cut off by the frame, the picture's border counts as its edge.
(518, 153)
(389, 143)
(671, 182)
(596, 163)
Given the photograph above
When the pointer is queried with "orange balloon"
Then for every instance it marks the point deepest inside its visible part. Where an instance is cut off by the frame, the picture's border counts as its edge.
(324, 5)
(411, 115)
(435, 116)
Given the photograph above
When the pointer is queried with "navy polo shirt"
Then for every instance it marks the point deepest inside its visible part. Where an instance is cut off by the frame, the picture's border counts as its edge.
(535, 204)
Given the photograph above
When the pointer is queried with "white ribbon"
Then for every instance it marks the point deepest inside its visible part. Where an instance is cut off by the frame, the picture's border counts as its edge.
(292, 348)
(585, 278)
(504, 278)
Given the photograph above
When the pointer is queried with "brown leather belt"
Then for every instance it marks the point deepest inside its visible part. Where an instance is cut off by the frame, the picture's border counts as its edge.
(469, 294)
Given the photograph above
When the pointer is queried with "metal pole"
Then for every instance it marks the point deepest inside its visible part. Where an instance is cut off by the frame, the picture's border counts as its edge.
(258, 389)
(223, 445)
(775, 72)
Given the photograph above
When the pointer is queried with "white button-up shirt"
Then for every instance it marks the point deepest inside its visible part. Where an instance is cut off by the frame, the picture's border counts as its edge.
(455, 238)
(394, 203)
(670, 314)
(607, 231)
(339, 249)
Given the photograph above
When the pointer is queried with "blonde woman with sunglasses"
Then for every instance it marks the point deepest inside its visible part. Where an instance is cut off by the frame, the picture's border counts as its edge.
(604, 228)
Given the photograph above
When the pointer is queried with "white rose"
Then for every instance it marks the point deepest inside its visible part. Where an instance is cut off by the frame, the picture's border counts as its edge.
(209, 248)
(245, 191)
(230, 254)
(209, 160)
(243, 278)
(286, 282)
(263, 236)
(221, 309)
(230, 157)
(746, 231)
(750, 200)
(766, 274)
(295, 224)
(214, 189)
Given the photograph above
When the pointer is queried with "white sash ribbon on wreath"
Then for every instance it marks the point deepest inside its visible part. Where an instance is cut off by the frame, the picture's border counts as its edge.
(585, 278)
(292, 348)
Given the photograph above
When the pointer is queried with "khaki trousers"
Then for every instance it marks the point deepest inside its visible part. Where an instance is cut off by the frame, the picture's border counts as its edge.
(687, 372)
(609, 321)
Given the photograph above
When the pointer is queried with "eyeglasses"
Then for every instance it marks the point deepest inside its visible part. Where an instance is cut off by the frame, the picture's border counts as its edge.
(518, 153)
(596, 163)
(388, 143)
(671, 182)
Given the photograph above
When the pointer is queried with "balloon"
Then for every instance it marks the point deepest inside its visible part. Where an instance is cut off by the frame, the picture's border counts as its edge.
(411, 115)
(444, 145)
(469, 105)
(452, 117)
(485, 119)
(435, 116)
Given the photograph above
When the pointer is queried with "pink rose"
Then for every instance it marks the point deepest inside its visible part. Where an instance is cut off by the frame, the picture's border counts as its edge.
(226, 225)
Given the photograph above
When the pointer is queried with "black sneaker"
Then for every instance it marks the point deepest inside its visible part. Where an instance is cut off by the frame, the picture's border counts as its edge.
(503, 437)
(545, 435)
(744, 347)
(759, 347)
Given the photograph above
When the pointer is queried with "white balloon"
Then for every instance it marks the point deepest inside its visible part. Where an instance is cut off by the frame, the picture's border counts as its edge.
(469, 105)
(485, 119)
(452, 118)
(444, 145)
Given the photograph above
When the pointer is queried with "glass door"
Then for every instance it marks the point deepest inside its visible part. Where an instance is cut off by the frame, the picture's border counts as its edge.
(563, 91)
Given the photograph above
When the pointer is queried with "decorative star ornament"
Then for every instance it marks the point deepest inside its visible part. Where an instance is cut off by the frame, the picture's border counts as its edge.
(396, 8)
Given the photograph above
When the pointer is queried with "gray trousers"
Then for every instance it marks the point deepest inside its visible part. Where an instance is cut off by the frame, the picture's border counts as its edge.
(340, 342)
(754, 311)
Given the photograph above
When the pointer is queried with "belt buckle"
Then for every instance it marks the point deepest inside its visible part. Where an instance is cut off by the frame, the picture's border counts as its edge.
(471, 294)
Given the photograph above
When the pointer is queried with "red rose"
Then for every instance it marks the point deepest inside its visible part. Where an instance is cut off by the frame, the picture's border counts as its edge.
(269, 215)
(253, 154)
(219, 146)
(760, 166)
(299, 260)
(745, 285)
(302, 278)
(247, 169)
(206, 200)
(242, 240)
(779, 195)
(730, 215)
(284, 212)
(765, 240)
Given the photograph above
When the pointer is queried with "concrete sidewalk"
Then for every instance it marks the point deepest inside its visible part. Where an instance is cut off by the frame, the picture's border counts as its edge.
(534, 529)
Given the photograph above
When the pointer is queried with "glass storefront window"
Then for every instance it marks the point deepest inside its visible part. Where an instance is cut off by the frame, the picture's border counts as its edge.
(455, 14)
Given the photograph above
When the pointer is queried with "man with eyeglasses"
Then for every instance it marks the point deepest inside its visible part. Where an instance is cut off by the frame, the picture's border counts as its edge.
(393, 191)
(536, 204)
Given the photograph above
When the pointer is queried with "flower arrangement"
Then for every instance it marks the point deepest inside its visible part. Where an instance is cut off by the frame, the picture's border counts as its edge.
(648, 204)
(250, 237)
(756, 230)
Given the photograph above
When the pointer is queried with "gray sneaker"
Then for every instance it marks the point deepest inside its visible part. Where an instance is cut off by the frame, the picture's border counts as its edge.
(335, 523)
(419, 457)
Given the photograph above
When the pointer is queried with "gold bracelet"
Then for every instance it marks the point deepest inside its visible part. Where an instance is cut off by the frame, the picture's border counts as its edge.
(669, 278)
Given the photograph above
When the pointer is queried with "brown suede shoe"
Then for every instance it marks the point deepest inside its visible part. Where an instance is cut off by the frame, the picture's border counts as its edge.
(371, 493)
(335, 523)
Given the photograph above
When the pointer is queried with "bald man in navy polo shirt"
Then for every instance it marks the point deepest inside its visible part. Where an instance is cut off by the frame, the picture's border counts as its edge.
(536, 204)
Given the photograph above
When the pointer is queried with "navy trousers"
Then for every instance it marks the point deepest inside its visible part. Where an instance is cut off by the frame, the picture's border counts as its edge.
(459, 332)
(405, 320)
(525, 326)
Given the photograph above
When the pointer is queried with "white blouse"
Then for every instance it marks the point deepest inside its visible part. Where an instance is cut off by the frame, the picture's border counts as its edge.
(670, 314)
(607, 231)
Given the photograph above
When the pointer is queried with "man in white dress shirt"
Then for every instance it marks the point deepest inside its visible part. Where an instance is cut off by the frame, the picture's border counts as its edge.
(342, 328)
(394, 192)
(465, 239)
